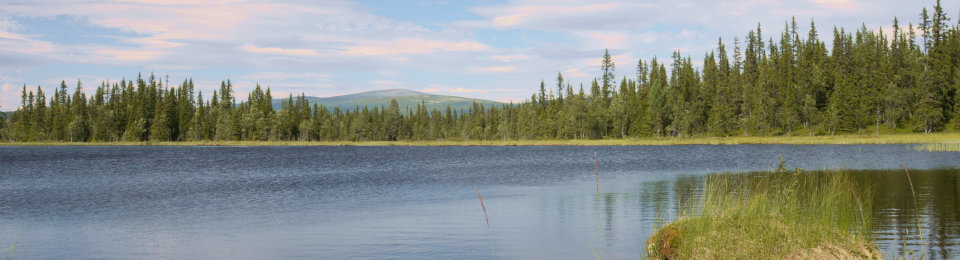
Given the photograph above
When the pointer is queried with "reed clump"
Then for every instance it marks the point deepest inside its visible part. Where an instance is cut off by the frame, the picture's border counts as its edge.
(939, 147)
(10, 250)
(772, 215)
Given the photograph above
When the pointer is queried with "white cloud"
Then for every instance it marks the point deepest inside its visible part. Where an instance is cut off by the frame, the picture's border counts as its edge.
(12, 40)
(129, 55)
(274, 50)
(216, 33)
(288, 75)
(575, 73)
(155, 42)
(463, 90)
(8, 25)
(496, 69)
(510, 58)
(301, 86)
(627, 24)
(614, 40)
(551, 15)
(838, 4)
(508, 20)
(409, 46)
(11, 36)
(383, 82)
(181, 2)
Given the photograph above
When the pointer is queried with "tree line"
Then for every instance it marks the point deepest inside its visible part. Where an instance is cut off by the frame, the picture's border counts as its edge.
(790, 84)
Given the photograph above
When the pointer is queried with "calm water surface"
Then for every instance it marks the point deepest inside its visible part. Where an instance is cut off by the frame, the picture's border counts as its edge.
(414, 202)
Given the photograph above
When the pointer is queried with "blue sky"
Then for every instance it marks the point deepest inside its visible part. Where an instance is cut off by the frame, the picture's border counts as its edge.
(497, 50)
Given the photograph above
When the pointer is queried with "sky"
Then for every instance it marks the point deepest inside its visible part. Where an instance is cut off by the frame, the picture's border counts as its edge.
(497, 50)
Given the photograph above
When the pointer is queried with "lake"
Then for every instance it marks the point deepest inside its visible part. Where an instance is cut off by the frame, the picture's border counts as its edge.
(418, 202)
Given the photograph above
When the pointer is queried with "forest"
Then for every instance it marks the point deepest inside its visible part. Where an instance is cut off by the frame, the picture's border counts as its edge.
(868, 81)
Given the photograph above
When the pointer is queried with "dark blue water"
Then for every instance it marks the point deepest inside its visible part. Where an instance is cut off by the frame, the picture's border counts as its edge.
(380, 202)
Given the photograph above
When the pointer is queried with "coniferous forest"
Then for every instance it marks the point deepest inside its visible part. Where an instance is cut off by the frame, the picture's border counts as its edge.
(787, 84)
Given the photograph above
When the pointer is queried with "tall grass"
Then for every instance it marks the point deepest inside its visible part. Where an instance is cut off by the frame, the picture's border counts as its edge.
(916, 210)
(938, 147)
(773, 215)
(10, 249)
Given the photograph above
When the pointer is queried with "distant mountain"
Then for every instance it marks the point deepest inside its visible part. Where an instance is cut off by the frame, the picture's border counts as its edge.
(405, 98)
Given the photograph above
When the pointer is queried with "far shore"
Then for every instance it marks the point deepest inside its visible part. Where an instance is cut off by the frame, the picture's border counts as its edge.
(911, 138)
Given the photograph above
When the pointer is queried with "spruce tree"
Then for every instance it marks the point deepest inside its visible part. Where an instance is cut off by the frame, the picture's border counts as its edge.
(607, 67)
(560, 88)
(393, 121)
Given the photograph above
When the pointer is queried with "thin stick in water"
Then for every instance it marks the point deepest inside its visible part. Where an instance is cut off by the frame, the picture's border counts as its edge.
(482, 206)
(597, 169)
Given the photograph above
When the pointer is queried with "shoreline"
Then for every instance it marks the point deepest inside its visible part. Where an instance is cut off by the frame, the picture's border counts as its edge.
(912, 138)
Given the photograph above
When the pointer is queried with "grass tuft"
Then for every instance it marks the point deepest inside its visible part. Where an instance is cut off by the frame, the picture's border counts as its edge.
(916, 210)
(773, 215)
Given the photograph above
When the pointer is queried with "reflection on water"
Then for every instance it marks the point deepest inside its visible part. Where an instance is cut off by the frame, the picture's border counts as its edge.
(416, 202)
(896, 216)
